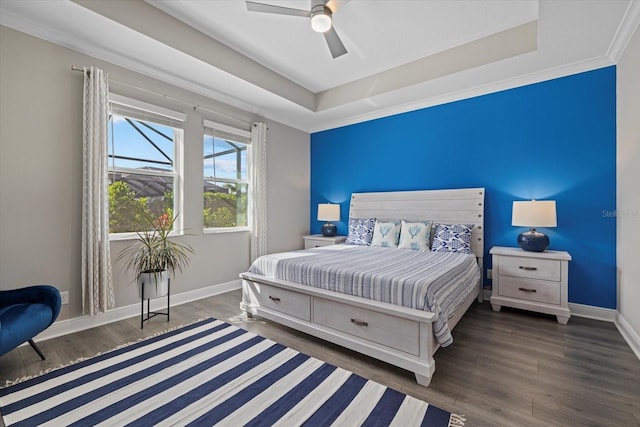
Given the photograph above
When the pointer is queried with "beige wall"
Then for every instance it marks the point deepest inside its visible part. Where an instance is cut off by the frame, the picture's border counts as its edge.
(628, 176)
(41, 174)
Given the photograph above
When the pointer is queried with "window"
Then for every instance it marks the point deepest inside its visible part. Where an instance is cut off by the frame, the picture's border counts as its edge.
(226, 176)
(143, 163)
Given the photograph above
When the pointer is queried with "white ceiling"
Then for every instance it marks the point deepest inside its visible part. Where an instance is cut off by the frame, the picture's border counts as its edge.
(379, 34)
(402, 54)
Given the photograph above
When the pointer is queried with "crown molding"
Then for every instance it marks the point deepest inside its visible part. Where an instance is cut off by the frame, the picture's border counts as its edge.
(493, 87)
(19, 23)
(626, 29)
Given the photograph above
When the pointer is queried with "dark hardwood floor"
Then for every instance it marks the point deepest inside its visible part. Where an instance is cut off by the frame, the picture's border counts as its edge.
(512, 368)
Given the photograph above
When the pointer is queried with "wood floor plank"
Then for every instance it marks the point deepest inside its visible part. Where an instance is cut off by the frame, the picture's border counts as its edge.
(598, 352)
(520, 368)
(566, 386)
(485, 384)
(490, 412)
(50, 350)
(615, 378)
(508, 368)
(574, 410)
(11, 364)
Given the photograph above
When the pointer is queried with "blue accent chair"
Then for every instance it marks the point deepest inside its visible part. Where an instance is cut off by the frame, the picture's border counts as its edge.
(26, 312)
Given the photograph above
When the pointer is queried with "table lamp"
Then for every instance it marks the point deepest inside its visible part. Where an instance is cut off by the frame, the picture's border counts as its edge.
(328, 212)
(534, 213)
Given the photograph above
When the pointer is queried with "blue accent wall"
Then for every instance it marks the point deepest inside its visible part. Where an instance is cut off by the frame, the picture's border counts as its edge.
(554, 140)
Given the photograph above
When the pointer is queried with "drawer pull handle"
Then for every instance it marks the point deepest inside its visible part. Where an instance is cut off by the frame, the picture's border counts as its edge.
(274, 299)
(359, 322)
(532, 291)
(528, 268)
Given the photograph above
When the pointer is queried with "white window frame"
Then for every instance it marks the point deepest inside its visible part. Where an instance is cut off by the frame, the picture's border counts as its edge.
(160, 115)
(219, 130)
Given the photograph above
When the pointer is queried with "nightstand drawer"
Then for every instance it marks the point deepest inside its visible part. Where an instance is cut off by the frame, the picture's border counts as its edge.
(531, 290)
(318, 240)
(532, 268)
(316, 243)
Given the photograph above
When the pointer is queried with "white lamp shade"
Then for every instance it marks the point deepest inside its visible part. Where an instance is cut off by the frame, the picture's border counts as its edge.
(328, 212)
(534, 213)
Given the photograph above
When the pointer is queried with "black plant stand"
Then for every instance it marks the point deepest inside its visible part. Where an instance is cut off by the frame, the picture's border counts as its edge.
(151, 314)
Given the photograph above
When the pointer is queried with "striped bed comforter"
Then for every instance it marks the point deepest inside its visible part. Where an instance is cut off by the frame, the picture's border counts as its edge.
(437, 282)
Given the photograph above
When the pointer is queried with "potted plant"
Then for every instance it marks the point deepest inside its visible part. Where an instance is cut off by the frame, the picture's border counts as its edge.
(152, 258)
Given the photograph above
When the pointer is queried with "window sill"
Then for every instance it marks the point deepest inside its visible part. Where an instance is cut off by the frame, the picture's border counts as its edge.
(226, 230)
(133, 236)
(119, 237)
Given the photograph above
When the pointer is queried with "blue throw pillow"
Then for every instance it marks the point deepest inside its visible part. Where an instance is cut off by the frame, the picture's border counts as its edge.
(360, 231)
(452, 238)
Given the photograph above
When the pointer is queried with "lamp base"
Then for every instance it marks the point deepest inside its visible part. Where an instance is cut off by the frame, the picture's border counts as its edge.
(329, 230)
(533, 241)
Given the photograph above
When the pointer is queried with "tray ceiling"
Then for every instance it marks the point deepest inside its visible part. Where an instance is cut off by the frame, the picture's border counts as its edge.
(402, 54)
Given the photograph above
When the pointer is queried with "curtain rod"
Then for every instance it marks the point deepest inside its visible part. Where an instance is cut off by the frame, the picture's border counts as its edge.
(194, 106)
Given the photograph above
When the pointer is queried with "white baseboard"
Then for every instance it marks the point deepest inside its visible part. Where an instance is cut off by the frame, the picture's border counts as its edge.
(631, 336)
(591, 312)
(76, 324)
(580, 310)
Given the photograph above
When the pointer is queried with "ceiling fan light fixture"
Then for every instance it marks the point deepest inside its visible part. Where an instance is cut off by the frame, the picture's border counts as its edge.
(321, 18)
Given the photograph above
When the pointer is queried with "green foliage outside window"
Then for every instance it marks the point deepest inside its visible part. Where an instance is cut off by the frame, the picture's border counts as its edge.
(224, 210)
(128, 213)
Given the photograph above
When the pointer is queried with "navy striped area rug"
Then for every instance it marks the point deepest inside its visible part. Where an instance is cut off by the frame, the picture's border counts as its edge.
(210, 373)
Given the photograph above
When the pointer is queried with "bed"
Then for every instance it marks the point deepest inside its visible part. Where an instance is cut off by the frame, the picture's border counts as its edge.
(387, 313)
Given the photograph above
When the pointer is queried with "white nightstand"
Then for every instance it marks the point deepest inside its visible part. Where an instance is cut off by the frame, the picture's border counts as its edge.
(317, 240)
(536, 281)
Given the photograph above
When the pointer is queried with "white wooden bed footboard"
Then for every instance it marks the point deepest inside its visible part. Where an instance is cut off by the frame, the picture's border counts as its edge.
(397, 335)
(394, 334)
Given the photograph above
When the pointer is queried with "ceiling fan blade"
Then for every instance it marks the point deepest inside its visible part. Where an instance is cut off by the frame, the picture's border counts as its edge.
(335, 44)
(269, 8)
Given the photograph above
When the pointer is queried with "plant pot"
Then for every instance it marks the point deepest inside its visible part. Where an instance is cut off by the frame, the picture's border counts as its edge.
(154, 284)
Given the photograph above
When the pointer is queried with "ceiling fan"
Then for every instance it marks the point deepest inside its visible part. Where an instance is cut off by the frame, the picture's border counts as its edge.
(320, 14)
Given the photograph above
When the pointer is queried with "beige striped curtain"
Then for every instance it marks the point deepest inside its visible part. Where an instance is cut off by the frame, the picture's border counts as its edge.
(259, 184)
(97, 283)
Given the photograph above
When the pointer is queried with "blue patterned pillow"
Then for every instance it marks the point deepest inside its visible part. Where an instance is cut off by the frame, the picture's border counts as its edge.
(452, 238)
(415, 235)
(386, 234)
(360, 231)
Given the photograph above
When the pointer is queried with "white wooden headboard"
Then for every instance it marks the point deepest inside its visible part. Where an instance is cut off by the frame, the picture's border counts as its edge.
(458, 206)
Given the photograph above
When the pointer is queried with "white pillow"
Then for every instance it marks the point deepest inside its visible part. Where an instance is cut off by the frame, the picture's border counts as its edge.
(415, 235)
(386, 234)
